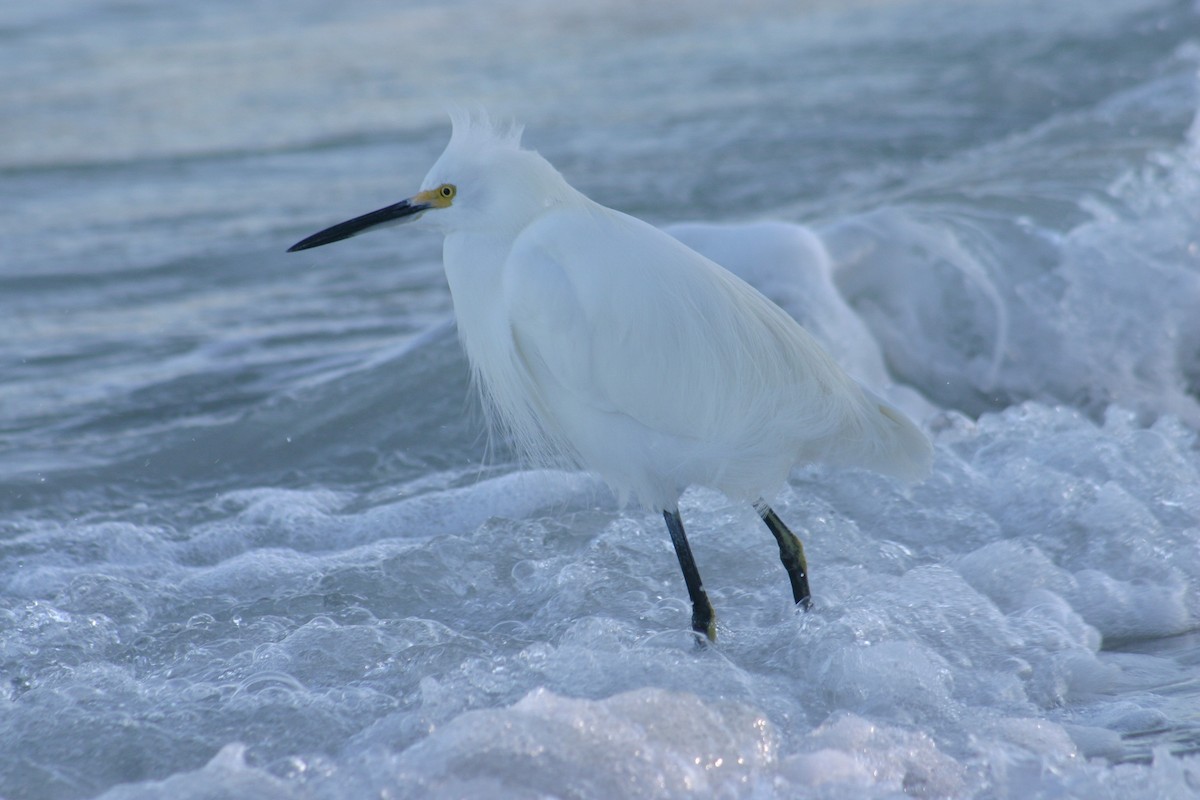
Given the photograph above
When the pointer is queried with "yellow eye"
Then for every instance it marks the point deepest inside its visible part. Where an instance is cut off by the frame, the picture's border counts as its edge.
(440, 196)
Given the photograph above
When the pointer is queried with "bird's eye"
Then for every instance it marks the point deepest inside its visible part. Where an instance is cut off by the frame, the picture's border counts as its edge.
(447, 190)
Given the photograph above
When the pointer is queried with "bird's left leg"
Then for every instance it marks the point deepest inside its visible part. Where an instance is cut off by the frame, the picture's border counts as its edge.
(704, 619)
(791, 553)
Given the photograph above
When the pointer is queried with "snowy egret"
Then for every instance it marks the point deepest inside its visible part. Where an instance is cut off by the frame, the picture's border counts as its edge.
(599, 340)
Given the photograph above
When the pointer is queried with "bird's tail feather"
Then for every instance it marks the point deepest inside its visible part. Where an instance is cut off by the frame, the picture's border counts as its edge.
(894, 445)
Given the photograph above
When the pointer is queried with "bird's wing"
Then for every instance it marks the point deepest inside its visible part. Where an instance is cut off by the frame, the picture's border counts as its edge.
(623, 318)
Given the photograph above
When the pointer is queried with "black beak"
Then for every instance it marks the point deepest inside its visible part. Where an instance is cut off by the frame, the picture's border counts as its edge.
(404, 211)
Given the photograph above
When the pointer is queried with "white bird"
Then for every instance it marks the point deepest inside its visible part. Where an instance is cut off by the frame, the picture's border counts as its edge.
(599, 340)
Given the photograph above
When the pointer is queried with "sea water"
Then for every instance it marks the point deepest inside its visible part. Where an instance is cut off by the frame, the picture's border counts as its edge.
(254, 541)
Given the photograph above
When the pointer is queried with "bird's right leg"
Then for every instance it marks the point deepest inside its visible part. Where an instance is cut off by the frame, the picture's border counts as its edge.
(791, 553)
(704, 619)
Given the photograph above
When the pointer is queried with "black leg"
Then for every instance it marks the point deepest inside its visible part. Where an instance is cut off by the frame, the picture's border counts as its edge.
(704, 619)
(791, 553)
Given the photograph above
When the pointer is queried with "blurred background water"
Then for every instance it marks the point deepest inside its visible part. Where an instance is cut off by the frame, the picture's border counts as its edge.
(251, 541)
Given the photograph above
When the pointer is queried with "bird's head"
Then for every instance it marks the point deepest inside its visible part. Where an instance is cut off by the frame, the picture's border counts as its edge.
(483, 181)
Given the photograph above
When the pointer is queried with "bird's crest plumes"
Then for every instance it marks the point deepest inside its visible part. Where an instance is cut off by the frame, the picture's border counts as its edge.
(474, 131)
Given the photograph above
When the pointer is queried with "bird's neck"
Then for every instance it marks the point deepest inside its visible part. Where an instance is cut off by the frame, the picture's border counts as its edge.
(474, 267)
